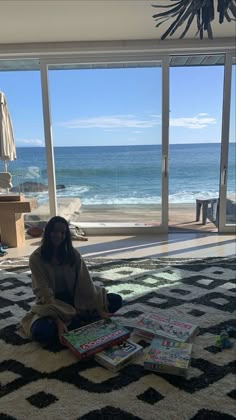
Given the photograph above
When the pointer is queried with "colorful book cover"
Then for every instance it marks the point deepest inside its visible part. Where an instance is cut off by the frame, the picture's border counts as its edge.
(153, 325)
(168, 356)
(95, 337)
(118, 356)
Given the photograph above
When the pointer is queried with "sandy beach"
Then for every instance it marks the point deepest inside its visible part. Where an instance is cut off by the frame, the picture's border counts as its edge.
(180, 215)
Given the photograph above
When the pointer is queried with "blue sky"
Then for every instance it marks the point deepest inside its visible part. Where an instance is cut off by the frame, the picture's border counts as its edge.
(117, 106)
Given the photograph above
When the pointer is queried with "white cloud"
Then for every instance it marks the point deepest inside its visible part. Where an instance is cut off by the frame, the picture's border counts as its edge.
(114, 122)
(111, 122)
(196, 123)
(30, 142)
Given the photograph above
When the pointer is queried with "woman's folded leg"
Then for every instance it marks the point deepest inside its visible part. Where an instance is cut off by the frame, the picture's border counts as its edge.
(115, 302)
(44, 331)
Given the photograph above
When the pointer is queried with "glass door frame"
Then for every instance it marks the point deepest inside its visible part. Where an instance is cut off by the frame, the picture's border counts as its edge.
(45, 65)
(165, 141)
(222, 226)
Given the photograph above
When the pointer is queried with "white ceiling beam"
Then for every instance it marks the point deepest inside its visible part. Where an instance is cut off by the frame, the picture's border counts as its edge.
(115, 47)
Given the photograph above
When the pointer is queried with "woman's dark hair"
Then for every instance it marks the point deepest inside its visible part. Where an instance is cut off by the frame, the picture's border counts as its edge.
(65, 252)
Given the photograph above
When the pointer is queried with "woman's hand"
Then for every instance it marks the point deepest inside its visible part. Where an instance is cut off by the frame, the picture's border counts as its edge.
(61, 328)
(106, 315)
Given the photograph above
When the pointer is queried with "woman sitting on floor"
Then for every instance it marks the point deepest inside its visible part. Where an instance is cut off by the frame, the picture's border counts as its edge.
(66, 296)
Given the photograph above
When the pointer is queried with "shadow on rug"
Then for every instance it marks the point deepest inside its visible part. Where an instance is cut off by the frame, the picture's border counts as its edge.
(38, 384)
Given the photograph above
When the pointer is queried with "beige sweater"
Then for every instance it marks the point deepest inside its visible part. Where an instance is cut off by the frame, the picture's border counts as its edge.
(86, 295)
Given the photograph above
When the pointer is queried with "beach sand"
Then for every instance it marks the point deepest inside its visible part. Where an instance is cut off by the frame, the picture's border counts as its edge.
(181, 216)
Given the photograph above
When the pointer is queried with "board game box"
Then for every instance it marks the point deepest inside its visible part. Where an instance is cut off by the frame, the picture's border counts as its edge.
(153, 325)
(94, 337)
(116, 357)
(168, 356)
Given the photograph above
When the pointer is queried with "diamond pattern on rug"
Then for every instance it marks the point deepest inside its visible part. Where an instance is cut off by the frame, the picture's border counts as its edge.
(150, 396)
(41, 399)
(232, 394)
(54, 384)
(196, 312)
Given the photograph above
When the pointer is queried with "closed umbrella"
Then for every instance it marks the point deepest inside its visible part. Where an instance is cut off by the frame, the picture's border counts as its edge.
(7, 144)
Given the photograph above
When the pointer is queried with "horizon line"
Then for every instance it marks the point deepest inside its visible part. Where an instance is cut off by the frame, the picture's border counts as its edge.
(120, 145)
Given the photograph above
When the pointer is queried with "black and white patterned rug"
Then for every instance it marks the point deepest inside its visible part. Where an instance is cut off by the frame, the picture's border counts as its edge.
(38, 384)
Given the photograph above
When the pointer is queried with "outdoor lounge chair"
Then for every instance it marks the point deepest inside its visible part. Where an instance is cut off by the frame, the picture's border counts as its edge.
(213, 211)
(230, 211)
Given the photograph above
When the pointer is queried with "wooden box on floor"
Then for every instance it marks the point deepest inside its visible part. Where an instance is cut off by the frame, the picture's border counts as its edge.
(12, 219)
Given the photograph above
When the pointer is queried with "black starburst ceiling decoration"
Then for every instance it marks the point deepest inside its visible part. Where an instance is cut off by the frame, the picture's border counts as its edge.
(185, 11)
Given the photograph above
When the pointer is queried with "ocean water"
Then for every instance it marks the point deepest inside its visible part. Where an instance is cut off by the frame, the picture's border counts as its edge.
(124, 175)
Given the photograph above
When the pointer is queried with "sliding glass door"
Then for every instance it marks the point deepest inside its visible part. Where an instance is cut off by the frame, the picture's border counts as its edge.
(107, 134)
(20, 82)
(195, 136)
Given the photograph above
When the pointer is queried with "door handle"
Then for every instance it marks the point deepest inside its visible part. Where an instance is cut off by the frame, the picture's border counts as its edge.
(165, 166)
(224, 176)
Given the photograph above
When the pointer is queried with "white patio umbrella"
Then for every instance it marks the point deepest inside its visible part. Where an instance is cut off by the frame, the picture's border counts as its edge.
(7, 144)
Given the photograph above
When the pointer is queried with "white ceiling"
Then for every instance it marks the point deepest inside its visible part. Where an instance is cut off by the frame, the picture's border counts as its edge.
(30, 21)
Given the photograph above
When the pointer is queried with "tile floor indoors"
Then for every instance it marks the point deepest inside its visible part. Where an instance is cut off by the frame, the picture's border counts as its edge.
(192, 245)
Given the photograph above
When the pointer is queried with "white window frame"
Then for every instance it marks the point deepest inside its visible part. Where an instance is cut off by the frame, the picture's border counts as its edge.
(113, 52)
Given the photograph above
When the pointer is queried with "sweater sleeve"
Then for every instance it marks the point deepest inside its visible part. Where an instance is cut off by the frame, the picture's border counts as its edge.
(40, 281)
(88, 295)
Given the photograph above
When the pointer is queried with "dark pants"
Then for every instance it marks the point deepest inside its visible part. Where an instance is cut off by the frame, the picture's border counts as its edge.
(44, 330)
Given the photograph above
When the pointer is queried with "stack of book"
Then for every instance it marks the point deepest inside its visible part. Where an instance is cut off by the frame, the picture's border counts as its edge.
(171, 347)
(168, 356)
(95, 337)
(106, 340)
(109, 343)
